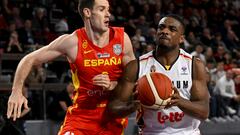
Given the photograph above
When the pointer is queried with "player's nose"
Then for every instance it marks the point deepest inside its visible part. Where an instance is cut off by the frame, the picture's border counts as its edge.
(108, 14)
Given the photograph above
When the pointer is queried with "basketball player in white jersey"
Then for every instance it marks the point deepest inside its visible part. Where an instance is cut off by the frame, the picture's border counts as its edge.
(190, 102)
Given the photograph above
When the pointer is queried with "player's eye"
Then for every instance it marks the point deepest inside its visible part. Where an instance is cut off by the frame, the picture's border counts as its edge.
(173, 29)
(161, 27)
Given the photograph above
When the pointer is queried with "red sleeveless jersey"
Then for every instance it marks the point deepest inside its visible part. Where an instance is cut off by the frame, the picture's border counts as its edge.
(89, 101)
(91, 61)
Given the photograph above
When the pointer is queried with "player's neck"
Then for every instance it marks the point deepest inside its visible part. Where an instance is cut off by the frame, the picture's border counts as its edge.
(166, 58)
(99, 39)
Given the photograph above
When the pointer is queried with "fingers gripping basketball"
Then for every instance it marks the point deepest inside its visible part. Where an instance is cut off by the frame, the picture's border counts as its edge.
(154, 90)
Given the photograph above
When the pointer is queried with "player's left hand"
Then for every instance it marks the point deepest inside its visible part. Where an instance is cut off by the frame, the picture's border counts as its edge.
(175, 99)
(104, 81)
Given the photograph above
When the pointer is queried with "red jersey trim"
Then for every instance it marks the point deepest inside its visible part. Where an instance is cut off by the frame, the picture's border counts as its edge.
(146, 58)
(185, 56)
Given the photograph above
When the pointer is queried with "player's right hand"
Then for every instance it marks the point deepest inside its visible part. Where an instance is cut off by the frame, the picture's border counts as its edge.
(15, 102)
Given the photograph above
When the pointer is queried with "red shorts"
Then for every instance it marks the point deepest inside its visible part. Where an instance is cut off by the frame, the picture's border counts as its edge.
(91, 122)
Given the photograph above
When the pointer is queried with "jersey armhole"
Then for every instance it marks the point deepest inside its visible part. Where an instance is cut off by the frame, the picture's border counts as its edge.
(138, 69)
(78, 34)
(122, 40)
(193, 60)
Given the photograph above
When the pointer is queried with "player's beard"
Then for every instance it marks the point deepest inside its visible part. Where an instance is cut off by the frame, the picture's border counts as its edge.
(165, 47)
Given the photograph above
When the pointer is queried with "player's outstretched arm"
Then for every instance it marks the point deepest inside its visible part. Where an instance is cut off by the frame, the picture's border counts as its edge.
(122, 103)
(42, 55)
(198, 106)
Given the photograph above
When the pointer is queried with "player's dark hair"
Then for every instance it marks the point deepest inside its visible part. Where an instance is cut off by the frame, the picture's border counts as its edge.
(178, 18)
(85, 4)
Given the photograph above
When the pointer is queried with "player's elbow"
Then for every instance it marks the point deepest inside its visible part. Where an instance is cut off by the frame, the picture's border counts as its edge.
(119, 109)
(114, 108)
(204, 114)
(32, 59)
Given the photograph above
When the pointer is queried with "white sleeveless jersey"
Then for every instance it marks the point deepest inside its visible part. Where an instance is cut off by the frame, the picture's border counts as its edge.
(172, 121)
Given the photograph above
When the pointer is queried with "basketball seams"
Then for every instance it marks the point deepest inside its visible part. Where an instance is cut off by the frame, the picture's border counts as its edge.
(148, 100)
(153, 88)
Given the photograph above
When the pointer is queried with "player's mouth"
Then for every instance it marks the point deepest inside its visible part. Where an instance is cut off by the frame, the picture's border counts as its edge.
(106, 23)
(163, 37)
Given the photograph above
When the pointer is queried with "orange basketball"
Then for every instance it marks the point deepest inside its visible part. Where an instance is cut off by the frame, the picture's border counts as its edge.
(154, 90)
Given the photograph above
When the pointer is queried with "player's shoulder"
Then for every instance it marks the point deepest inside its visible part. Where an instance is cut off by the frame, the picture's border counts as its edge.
(185, 54)
(69, 38)
(120, 30)
(146, 56)
(117, 28)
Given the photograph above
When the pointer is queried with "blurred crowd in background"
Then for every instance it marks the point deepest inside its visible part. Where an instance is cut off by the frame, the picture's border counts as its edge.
(212, 34)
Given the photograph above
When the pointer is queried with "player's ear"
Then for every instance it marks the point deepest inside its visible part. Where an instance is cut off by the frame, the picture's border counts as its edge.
(87, 12)
(181, 40)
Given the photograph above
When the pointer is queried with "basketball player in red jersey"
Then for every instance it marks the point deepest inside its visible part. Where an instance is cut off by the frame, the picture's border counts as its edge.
(97, 54)
(190, 102)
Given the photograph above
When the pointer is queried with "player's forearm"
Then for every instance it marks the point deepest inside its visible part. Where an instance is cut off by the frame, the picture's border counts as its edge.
(120, 109)
(23, 69)
(196, 109)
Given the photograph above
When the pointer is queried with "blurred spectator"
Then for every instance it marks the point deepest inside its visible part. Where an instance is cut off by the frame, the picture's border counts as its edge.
(131, 13)
(207, 38)
(5, 33)
(7, 9)
(218, 72)
(210, 65)
(58, 107)
(170, 8)
(137, 47)
(9, 127)
(119, 16)
(227, 61)
(218, 41)
(139, 37)
(37, 75)
(226, 87)
(61, 27)
(198, 52)
(192, 39)
(156, 19)
(146, 12)
(209, 55)
(66, 76)
(27, 10)
(14, 46)
(26, 34)
(232, 40)
(130, 28)
(213, 98)
(39, 22)
(3, 22)
(151, 36)
(15, 17)
(237, 84)
(142, 25)
(194, 27)
(219, 55)
(40, 25)
(215, 12)
(74, 19)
